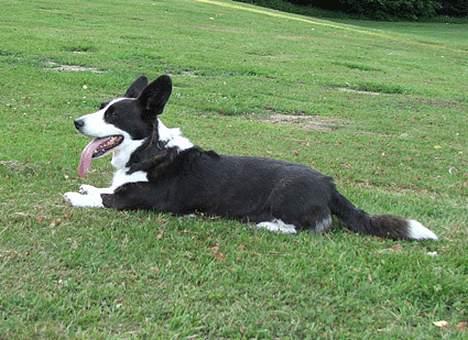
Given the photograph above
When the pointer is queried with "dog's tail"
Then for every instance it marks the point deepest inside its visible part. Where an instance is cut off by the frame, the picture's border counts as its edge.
(384, 226)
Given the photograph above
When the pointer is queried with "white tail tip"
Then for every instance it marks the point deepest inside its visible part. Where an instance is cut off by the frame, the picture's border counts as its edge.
(416, 231)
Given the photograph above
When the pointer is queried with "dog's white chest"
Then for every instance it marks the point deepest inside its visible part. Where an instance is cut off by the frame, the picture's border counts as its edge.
(121, 177)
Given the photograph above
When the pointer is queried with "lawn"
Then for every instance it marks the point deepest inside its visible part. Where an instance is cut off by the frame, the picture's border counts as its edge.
(381, 107)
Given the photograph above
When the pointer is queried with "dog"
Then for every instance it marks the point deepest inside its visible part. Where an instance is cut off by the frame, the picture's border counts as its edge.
(157, 168)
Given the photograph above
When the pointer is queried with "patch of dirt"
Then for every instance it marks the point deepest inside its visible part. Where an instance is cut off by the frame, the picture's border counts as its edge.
(306, 122)
(369, 93)
(187, 73)
(71, 68)
(438, 103)
(15, 167)
(293, 37)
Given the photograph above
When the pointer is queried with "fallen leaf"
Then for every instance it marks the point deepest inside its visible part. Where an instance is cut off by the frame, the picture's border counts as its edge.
(216, 253)
(441, 324)
(55, 222)
(160, 234)
(437, 147)
(40, 218)
(396, 248)
(461, 326)
(452, 170)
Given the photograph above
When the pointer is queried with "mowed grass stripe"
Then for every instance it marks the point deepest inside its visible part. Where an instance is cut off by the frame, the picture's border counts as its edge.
(323, 23)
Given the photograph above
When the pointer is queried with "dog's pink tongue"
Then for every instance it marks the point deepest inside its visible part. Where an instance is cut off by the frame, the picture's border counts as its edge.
(86, 157)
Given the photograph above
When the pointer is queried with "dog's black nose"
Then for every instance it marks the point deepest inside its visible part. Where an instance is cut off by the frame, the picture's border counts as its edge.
(78, 123)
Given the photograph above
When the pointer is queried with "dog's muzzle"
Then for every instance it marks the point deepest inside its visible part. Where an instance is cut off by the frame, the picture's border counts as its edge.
(79, 123)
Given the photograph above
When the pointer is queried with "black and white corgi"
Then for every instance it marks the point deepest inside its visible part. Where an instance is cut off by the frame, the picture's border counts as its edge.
(158, 168)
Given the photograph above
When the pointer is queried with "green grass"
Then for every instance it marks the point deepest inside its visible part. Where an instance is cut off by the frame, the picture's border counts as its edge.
(102, 273)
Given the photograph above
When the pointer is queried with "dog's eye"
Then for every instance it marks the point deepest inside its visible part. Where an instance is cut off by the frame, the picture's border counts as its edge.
(109, 114)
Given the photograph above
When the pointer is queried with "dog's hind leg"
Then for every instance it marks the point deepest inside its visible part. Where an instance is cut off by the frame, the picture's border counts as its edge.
(306, 217)
(277, 226)
(301, 211)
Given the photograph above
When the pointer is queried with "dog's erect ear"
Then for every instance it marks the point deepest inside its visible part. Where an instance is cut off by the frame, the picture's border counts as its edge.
(137, 87)
(155, 96)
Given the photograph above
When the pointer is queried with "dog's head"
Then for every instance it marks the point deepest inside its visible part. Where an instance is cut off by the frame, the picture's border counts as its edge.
(130, 117)
(124, 123)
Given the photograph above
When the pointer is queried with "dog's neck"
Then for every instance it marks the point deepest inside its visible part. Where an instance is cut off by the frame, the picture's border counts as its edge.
(122, 155)
(173, 137)
(170, 137)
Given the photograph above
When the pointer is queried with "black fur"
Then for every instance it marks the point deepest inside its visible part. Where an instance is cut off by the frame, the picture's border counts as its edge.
(244, 188)
(137, 87)
(250, 189)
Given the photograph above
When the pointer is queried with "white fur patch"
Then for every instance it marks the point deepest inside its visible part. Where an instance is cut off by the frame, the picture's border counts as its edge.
(121, 177)
(121, 154)
(278, 226)
(90, 200)
(323, 225)
(416, 231)
(89, 189)
(173, 137)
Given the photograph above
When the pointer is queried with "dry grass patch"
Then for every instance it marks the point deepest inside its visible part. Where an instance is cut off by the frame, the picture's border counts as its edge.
(306, 122)
(52, 66)
(369, 93)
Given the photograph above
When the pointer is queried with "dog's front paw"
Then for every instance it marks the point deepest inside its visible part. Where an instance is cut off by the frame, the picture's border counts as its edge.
(76, 199)
(86, 189)
(72, 198)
